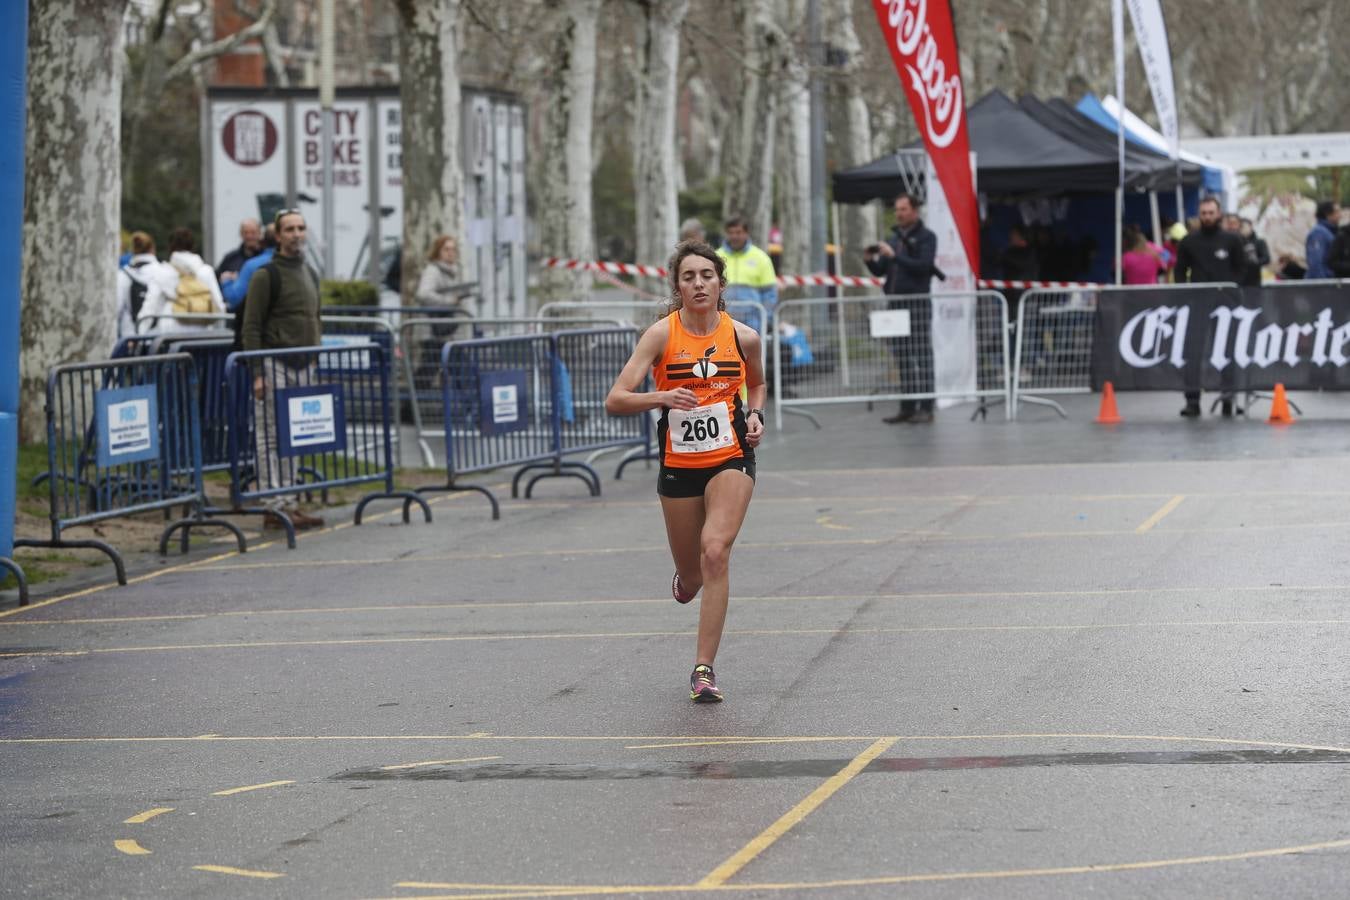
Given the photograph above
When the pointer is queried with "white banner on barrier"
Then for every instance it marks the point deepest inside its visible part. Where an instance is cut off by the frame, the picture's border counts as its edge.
(954, 352)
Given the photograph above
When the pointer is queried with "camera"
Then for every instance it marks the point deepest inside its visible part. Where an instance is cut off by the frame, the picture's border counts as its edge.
(872, 248)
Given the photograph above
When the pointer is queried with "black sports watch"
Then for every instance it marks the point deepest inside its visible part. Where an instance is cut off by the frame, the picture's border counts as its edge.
(757, 412)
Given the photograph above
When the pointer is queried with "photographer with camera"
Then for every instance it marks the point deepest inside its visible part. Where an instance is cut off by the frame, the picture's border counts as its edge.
(906, 261)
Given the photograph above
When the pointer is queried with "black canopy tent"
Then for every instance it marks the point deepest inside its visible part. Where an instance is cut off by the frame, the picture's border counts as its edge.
(1029, 150)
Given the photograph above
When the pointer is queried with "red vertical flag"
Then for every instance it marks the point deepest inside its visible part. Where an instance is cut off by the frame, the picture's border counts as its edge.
(922, 41)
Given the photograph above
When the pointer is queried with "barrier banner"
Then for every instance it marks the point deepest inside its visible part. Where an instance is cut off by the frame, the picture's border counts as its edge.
(127, 424)
(502, 402)
(310, 420)
(1230, 339)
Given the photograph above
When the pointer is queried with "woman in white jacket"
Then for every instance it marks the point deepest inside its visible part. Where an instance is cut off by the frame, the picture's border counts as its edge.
(159, 312)
(439, 284)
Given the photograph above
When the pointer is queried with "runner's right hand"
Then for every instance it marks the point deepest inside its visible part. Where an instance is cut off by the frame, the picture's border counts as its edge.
(680, 398)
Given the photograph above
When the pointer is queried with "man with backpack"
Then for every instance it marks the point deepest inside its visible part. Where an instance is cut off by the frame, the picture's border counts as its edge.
(184, 288)
(281, 311)
(133, 282)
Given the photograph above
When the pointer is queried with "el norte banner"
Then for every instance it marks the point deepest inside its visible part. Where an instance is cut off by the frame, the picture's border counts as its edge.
(1223, 338)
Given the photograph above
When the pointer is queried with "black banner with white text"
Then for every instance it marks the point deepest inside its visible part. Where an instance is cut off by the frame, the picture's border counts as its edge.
(1223, 338)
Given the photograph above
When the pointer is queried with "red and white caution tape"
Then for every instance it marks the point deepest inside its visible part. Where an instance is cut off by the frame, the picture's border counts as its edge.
(820, 280)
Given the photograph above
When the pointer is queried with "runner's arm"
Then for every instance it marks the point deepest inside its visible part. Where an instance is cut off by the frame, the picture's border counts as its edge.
(756, 391)
(625, 399)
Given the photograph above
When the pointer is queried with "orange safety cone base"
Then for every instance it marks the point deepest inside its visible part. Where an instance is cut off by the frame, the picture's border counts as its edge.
(1279, 408)
(1108, 414)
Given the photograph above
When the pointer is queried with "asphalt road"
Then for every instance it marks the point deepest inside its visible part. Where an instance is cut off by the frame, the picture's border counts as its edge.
(1024, 660)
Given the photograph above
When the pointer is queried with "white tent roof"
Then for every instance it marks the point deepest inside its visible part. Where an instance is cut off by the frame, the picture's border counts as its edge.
(1147, 133)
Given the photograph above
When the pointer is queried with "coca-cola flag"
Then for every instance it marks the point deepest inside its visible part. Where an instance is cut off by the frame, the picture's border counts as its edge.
(922, 40)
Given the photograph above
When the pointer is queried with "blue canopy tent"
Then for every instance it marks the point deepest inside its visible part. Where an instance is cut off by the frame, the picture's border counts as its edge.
(1215, 178)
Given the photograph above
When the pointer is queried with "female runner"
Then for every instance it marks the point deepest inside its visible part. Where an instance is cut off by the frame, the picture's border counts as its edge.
(700, 358)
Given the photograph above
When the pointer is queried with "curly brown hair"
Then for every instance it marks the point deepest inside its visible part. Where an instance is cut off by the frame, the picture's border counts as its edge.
(685, 249)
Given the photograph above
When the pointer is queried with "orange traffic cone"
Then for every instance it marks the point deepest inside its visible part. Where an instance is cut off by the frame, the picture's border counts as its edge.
(1279, 408)
(1108, 415)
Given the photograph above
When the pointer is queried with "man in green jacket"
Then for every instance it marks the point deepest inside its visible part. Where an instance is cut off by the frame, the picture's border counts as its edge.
(277, 318)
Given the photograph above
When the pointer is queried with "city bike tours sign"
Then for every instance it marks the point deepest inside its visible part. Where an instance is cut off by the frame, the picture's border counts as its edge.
(1223, 338)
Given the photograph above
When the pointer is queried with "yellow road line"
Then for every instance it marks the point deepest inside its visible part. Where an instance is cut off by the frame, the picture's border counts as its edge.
(828, 522)
(147, 815)
(766, 838)
(493, 892)
(1147, 524)
(130, 847)
(664, 601)
(250, 787)
(247, 873)
(893, 538)
(436, 762)
(629, 635)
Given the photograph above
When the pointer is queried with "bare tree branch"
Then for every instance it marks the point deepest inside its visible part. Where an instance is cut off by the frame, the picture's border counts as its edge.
(224, 45)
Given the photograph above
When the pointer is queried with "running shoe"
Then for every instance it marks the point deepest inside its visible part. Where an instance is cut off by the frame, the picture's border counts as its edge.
(677, 590)
(703, 686)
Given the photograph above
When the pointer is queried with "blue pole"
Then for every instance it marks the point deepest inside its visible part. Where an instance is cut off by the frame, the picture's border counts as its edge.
(13, 122)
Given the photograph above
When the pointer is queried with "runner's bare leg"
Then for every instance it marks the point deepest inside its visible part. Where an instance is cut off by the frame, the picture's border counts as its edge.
(726, 500)
(684, 526)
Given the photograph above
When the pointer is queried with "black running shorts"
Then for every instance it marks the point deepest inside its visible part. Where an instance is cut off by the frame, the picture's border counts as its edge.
(684, 483)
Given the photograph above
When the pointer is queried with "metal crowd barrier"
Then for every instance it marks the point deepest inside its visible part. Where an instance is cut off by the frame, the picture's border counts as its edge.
(324, 422)
(1053, 344)
(421, 341)
(508, 400)
(881, 348)
(124, 437)
(186, 321)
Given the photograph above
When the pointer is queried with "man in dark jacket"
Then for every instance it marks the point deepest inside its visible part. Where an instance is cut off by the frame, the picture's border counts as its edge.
(250, 245)
(1207, 255)
(905, 260)
(1338, 257)
(281, 311)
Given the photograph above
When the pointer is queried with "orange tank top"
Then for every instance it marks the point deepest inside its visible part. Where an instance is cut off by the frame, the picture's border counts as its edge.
(713, 367)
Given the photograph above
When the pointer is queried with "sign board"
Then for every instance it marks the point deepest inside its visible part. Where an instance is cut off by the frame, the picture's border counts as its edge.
(889, 323)
(263, 153)
(954, 303)
(127, 423)
(310, 420)
(502, 402)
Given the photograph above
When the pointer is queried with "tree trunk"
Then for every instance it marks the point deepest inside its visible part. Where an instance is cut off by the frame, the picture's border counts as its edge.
(565, 223)
(654, 151)
(749, 154)
(794, 164)
(851, 128)
(72, 192)
(433, 180)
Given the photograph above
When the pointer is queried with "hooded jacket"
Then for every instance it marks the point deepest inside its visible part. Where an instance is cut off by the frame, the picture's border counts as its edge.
(157, 313)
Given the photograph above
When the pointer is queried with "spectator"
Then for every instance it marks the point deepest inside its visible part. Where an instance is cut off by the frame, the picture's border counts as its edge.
(1320, 238)
(251, 244)
(186, 287)
(281, 312)
(1141, 262)
(439, 283)
(750, 274)
(236, 290)
(1338, 257)
(906, 261)
(1289, 269)
(1018, 262)
(1209, 255)
(1255, 252)
(133, 282)
(691, 229)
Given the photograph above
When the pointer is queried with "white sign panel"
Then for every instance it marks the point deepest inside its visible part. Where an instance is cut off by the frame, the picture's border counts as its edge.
(505, 404)
(311, 420)
(889, 323)
(351, 181)
(248, 167)
(129, 428)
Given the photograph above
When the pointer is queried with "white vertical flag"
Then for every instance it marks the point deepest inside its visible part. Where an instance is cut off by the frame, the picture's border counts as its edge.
(1151, 30)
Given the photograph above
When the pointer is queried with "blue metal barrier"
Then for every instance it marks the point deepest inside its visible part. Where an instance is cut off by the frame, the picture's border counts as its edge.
(589, 360)
(326, 415)
(527, 401)
(124, 437)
